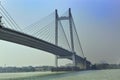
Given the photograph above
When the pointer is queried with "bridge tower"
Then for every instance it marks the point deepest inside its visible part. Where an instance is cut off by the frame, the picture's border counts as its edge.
(56, 35)
(69, 18)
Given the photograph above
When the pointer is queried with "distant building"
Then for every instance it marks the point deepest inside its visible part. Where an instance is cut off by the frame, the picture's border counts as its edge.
(106, 66)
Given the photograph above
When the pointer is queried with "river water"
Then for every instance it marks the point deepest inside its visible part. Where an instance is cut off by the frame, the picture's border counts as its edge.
(113, 74)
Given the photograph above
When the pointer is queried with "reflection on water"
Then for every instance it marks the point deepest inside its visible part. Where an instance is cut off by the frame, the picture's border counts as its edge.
(81, 75)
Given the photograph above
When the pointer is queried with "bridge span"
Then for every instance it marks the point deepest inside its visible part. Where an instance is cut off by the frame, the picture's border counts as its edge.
(27, 40)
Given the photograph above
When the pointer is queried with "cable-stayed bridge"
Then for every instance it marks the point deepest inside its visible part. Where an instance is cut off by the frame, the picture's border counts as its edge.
(54, 34)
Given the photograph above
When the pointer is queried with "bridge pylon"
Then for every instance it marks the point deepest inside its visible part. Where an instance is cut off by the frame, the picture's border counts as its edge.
(69, 18)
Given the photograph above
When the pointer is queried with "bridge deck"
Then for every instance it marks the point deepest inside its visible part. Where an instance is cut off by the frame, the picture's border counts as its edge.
(27, 40)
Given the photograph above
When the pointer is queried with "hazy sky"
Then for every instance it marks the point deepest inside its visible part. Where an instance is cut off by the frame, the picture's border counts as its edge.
(97, 23)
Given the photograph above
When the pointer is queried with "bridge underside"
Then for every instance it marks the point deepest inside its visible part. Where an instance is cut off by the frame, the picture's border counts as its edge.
(27, 40)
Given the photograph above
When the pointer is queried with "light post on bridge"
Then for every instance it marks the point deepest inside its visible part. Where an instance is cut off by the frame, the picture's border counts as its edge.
(1, 24)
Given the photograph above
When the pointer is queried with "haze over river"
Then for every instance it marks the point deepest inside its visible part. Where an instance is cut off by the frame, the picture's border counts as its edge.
(113, 74)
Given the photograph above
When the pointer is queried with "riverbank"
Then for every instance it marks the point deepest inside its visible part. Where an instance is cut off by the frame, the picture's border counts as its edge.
(109, 74)
(22, 75)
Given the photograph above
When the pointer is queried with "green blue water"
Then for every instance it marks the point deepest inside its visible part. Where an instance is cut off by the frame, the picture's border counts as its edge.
(113, 74)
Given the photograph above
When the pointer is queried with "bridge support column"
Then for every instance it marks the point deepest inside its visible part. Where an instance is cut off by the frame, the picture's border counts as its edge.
(85, 63)
(82, 64)
(74, 61)
(56, 61)
(56, 35)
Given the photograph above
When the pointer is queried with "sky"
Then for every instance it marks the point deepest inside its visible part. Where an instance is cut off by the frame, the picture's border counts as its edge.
(97, 23)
